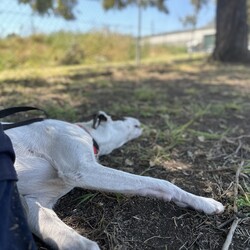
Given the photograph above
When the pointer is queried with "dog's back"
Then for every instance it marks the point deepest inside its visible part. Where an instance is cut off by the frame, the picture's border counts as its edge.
(37, 147)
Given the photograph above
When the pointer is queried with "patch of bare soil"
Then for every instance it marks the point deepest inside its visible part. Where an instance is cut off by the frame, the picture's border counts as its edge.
(197, 135)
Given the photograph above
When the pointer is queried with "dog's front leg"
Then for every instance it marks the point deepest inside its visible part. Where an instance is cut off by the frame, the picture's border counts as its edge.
(45, 224)
(103, 178)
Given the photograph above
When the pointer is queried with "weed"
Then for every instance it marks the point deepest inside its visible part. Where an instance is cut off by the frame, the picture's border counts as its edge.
(197, 110)
(208, 135)
(175, 134)
(219, 109)
(160, 156)
(233, 106)
(178, 134)
(246, 168)
(86, 198)
(244, 201)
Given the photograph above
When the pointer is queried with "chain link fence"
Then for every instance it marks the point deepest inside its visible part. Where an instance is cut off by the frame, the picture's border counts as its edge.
(30, 40)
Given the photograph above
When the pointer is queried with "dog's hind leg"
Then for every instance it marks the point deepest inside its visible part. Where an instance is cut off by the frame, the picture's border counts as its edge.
(45, 224)
(103, 178)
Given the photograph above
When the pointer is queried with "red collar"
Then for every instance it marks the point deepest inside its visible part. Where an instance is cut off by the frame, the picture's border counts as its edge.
(95, 144)
(95, 147)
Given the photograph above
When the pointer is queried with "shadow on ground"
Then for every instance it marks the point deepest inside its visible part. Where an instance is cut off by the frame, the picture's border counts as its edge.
(196, 135)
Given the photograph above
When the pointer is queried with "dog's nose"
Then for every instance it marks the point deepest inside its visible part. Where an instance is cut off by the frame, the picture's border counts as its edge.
(138, 128)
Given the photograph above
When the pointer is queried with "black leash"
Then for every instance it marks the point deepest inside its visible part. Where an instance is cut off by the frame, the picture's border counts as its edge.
(14, 110)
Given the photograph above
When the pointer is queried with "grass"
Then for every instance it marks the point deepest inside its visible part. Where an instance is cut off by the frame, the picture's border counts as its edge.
(246, 168)
(218, 109)
(64, 48)
(202, 135)
(244, 200)
(66, 112)
(86, 198)
(67, 48)
(177, 134)
(145, 94)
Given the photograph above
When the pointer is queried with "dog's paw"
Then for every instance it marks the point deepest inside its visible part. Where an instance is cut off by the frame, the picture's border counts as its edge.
(210, 206)
(203, 204)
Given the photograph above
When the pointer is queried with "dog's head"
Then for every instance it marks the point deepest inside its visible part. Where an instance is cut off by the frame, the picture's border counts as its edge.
(112, 133)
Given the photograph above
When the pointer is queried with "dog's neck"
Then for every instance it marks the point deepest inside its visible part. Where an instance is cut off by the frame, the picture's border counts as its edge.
(96, 147)
(83, 127)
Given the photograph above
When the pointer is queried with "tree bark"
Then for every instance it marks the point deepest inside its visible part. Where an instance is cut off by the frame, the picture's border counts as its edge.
(231, 31)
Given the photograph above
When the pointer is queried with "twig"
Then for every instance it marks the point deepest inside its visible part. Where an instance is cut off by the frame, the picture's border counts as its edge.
(236, 221)
(228, 241)
(239, 137)
(240, 145)
(197, 238)
(229, 140)
(238, 148)
(236, 186)
(156, 236)
(226, 222)
(214, 170)
(220, 169)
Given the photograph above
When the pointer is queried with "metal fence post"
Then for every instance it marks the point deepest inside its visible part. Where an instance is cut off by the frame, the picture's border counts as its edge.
(138, 38)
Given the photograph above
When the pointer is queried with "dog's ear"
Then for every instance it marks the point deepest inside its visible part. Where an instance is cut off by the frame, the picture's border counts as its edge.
(98, 118)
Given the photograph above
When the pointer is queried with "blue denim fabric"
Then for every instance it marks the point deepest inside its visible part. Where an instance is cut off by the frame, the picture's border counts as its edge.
(14, 230)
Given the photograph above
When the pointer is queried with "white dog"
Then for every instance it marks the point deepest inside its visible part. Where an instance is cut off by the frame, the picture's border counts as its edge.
(54, 156)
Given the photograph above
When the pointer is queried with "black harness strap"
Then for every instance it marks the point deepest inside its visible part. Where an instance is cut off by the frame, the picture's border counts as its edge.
(14, 110)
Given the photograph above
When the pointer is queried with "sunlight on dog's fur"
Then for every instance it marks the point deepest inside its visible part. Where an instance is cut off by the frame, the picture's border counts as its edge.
(53, 157)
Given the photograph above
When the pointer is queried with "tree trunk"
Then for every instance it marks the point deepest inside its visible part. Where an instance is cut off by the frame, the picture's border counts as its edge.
(232, 31)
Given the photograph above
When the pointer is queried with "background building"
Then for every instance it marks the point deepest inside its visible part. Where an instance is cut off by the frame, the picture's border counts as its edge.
(201, 39)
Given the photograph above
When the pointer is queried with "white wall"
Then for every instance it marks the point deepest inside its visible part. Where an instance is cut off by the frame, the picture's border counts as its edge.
(179, 38)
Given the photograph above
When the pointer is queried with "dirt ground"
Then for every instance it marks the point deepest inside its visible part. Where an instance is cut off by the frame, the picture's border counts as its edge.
(196, 135)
